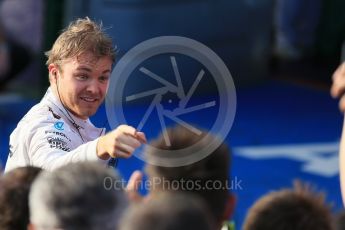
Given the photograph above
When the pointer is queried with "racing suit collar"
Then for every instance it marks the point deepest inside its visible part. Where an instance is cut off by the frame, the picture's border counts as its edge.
(56, 102)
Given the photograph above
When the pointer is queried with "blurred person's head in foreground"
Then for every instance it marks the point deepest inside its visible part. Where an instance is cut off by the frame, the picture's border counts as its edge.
(197, 178)
(297, 208)
(77, 196)
(169, 211)
(339, 220)
(14, 194)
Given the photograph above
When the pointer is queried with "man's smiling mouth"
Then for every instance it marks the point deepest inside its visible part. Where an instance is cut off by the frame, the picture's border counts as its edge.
(89, 99)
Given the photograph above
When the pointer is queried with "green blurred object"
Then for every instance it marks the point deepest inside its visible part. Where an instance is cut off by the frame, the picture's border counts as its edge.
(228, 225)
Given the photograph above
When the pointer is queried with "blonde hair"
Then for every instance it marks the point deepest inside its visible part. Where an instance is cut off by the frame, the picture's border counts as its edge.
(82, 35)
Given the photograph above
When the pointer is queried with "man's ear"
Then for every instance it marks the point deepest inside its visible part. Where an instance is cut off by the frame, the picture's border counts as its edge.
(53, 70)
(230, 207)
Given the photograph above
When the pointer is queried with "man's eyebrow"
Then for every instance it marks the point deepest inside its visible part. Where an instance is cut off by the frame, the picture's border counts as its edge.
(84, 68)
(106, 71)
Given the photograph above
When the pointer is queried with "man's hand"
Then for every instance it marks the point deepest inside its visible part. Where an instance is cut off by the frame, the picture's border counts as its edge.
(338, 86)
(121, 142)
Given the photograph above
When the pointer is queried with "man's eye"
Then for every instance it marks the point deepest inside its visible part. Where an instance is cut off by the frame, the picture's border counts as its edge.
(81, 77)
(103, 78)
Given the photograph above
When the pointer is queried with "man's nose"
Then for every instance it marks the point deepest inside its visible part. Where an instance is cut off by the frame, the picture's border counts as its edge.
(93, 87)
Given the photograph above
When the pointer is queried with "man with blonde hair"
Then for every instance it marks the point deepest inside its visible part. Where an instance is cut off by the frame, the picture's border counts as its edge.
(57, 130)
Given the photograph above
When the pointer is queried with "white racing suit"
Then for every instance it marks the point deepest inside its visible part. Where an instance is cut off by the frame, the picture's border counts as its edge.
(47, 137)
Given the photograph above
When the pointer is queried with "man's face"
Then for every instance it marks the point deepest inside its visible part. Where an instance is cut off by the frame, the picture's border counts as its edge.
(82, 83)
